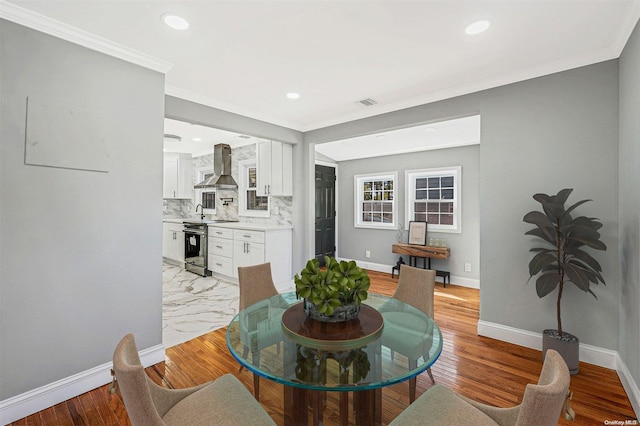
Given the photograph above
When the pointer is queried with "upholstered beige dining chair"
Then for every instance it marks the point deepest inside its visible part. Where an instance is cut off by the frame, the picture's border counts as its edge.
(256, 284)
(224, 401)
(541, 405)
(415, 287)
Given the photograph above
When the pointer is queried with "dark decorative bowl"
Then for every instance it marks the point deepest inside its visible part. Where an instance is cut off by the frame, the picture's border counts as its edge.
(340, 314)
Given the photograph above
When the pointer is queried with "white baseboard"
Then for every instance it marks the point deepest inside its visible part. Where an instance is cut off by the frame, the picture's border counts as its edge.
(380, 267)
(35, 400)
(465, 282)
(590, 354)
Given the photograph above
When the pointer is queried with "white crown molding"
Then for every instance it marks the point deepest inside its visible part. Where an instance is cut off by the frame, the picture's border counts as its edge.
(224, 106)
(627, 28)
(27, 18)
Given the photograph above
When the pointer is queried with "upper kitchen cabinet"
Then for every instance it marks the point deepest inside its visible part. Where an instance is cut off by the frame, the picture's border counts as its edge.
(275, 169)
(177, 181)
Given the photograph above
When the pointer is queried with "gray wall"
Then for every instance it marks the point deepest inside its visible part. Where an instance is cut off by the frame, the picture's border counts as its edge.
(629, 193)
(543, 135)
(465, 246)
(539, 135)
(81, 257)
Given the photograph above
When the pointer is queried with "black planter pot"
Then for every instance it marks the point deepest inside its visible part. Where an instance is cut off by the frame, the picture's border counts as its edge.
(567, 345)
(340, 314)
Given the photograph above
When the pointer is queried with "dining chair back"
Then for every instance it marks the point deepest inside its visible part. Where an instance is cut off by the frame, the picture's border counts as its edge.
(415, 287)
(542, 403)
(224, 401)
(256, 284)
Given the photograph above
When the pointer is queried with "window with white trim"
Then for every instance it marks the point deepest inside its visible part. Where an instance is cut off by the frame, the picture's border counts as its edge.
(205, 196)
(433, 195)
(376, 201)
(250, 203)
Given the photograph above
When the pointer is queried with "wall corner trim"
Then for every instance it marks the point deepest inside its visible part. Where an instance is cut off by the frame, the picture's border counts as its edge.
(630, 386)
(30, 19)
(35, 400)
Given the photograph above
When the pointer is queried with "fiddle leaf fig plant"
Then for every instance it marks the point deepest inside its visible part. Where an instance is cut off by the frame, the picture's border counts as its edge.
(338, 284)
(563, 259)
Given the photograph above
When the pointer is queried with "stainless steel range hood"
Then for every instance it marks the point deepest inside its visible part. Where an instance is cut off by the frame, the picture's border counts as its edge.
(221, 169)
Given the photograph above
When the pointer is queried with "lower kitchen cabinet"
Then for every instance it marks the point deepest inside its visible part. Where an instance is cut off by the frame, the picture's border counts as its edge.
(220, 251)
(231, 248)
(173, 242)
(248, 248)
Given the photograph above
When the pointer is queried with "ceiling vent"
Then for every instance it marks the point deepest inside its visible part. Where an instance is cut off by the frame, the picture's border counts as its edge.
(244, 137)
(172, 138)
(367, 102)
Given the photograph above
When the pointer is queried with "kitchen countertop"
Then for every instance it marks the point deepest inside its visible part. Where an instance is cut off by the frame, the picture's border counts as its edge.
(251, 226)
(232, 225)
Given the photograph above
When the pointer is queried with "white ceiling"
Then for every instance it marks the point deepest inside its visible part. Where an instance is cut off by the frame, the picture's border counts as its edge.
(445, 134)
(244, 56)
(199, 140)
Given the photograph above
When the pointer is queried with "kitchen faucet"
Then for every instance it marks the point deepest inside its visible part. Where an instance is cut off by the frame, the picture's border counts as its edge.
(201, 211)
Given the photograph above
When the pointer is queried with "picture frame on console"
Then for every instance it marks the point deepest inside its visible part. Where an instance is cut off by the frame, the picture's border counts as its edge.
(417, 233)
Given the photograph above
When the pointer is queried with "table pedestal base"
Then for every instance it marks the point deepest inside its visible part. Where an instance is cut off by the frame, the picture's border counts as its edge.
(367, 405)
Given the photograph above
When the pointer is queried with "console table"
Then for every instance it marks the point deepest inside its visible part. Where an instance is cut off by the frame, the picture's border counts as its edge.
(426, 253)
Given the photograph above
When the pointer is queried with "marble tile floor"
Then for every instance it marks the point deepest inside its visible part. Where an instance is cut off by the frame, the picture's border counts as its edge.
(193, 305)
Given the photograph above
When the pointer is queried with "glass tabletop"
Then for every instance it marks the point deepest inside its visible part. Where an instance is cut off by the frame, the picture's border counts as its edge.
(410, 342)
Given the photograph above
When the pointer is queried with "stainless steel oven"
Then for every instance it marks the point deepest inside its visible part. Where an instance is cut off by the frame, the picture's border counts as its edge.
(195, 248)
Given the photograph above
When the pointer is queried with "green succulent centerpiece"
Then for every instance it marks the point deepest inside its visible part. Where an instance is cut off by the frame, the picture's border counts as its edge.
(334, 292)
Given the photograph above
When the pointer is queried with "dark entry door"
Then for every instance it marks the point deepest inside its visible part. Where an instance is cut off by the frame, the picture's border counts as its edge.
(325, 212)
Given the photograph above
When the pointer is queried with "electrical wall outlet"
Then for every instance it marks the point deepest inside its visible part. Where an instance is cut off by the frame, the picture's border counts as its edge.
(367, 254)
(467, 267)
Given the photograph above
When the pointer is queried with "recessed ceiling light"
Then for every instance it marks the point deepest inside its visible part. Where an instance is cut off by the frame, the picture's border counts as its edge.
(477, 27)
(429, 129)
(196, 139)
(293, 95)
(174, 21)
(381, 136)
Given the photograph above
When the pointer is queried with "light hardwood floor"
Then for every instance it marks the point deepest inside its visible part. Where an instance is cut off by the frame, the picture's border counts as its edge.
(484, 369)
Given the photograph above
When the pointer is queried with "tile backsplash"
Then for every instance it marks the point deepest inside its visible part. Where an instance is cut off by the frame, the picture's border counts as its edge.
(281, 207)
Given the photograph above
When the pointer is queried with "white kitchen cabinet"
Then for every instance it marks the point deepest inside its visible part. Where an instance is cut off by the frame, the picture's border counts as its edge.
(230, 248)
(248, 248)
(275, 168)
(220, 251)
(177, 180)
(173, 242)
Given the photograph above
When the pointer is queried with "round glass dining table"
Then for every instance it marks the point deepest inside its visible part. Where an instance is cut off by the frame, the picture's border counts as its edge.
(390, 342)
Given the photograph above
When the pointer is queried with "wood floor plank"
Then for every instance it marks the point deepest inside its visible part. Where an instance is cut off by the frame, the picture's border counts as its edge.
(63, 415)
(480, 368)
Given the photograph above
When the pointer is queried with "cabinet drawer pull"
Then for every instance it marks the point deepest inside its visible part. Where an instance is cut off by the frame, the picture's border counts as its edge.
(219, 247)
(219, 264)
(247, 236)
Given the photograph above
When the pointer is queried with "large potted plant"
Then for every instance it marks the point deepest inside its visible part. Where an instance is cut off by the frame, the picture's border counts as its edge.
(563, 260)
(332, 293)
